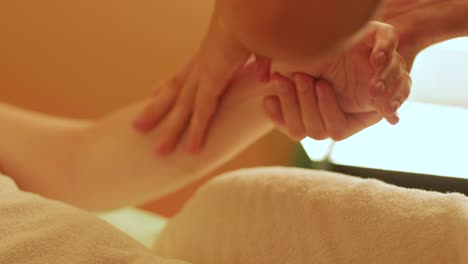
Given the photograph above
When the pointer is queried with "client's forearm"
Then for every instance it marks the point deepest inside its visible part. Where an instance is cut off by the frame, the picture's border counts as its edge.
(35, 149)
(295, 31)
(117, 166)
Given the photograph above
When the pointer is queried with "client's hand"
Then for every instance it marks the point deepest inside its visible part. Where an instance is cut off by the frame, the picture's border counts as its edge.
(369, 80)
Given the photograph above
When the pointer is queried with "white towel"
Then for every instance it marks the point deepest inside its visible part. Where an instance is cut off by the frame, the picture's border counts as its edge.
(35, 230)
(281, 215)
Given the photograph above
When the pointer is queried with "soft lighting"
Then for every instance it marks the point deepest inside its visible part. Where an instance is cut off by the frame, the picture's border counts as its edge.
(317, 150)
(440, 74)
(430, 139)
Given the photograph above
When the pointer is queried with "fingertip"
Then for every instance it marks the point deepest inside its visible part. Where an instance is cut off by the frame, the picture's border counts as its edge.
(193, 148)
(194, 143)
(141, 126)
(393, 119)
(163, 150)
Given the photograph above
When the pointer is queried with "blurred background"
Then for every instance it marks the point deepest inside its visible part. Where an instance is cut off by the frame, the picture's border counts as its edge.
(86, 58)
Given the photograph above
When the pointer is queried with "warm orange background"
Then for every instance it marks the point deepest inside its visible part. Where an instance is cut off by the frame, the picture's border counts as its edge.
(85, 58)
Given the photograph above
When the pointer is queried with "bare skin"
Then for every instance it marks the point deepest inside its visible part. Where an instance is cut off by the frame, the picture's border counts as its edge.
(104, 164)
(282, 30)
(369, 66)
(421, 23)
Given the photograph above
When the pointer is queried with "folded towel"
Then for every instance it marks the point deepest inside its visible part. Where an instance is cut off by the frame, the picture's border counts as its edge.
(281, 215)
(35, 230)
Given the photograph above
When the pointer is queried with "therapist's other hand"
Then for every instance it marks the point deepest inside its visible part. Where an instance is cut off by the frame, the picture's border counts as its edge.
(304, 106)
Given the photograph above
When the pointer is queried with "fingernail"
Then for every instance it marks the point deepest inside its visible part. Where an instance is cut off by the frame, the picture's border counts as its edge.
(380, 59)
(377, 89)
(395, 106)
(393, 120)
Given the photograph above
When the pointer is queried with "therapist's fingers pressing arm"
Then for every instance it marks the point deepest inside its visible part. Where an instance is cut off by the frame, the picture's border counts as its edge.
(187, 101)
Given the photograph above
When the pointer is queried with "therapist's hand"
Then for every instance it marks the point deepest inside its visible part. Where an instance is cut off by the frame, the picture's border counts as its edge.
(187, 102)
(422, 23)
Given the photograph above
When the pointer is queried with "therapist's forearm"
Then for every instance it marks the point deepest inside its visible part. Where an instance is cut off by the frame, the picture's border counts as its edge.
(426, 22)
(117, 166)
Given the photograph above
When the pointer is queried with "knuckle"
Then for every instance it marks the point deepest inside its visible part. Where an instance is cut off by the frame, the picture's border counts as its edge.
(317, 134)
(338, 135)
(297, 134)
(285, 89)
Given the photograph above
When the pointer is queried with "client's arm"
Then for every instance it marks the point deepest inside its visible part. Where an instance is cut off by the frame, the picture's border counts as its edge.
(106, 164)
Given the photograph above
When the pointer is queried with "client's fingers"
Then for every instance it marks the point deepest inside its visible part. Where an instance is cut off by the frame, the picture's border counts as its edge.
(383, 40)
(311, 117)
(391, 74)
(286, 91)
(399, 95)
(392, 77)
